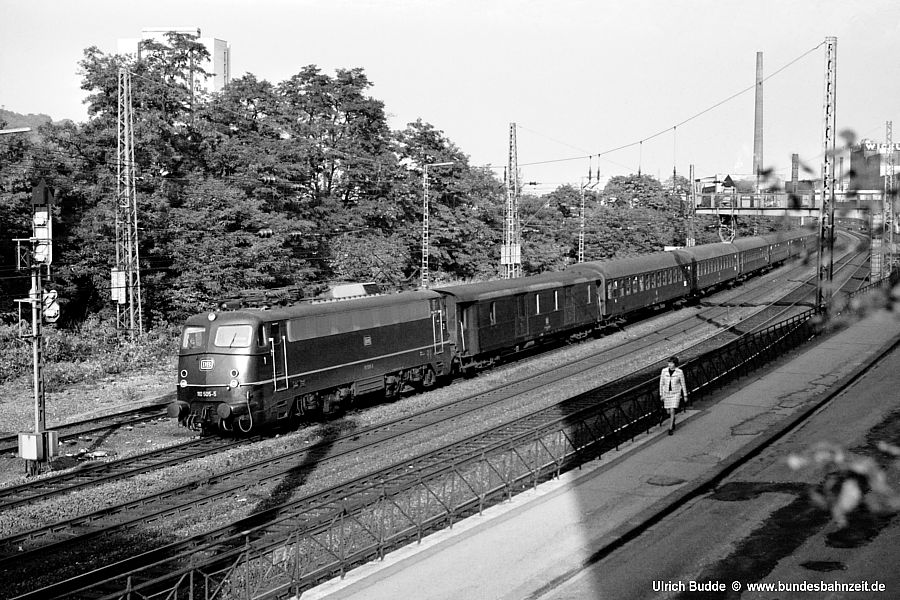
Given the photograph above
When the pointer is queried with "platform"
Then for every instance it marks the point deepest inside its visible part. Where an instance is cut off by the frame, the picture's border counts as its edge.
(542, 543)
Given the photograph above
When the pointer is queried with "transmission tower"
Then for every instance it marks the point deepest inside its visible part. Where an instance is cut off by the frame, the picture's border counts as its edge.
(826, 212)
(887, 212)
(126, 277)
(511, 253)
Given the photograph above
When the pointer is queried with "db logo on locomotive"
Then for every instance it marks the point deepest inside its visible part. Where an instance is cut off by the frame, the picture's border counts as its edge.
(207, 364)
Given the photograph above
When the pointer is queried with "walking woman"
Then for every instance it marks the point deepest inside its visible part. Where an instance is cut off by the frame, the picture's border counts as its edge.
(672, 389)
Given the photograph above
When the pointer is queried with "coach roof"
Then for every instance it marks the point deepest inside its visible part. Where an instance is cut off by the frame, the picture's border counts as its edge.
(472, 292)
(622, 267)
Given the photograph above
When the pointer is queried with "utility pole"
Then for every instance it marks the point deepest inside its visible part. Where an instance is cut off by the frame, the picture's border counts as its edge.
(581, 228)
(36, 254)
(126, 276)
(584, 187)
(511, 252)
(690, 240)
(826, 212)
(426, 239)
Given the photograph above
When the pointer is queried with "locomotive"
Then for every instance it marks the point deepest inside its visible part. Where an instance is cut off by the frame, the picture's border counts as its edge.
(244, 370)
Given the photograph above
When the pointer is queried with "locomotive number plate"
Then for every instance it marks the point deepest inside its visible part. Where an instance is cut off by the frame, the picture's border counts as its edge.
(206, 394)
(206, 364)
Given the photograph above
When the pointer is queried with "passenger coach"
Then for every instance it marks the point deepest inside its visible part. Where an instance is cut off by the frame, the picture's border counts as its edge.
(639, 282)
(495, 318)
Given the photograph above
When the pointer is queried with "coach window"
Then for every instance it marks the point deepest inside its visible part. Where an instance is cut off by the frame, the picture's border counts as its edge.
(555, 299)
(493, 315)
(589, 293)
(537, 303)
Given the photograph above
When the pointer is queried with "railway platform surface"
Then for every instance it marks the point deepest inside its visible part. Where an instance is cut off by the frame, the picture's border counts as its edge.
(547, 543)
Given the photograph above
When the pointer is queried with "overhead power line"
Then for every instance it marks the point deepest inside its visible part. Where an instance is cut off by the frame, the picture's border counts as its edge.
(676, 125)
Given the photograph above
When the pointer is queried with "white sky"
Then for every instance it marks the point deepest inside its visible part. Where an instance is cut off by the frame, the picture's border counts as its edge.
(578, 77)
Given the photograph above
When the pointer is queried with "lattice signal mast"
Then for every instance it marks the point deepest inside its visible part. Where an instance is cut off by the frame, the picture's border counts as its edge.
(888, 211)
(126, 276)
(826, 213)
(426, 209)
(511, 252)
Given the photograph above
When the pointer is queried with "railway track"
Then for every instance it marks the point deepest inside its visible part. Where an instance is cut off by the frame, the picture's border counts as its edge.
(110, 471)
(97, 473)
(315, 514)
(401, 425)
(99, 425)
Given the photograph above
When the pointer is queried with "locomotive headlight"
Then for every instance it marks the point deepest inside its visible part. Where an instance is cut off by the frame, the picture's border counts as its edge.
(211, 316)
(183, 373)
(183, 383)
(233, 383)
(234, 373)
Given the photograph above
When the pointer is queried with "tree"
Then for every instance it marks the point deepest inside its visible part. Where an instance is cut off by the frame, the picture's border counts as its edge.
(463, 205)
(214, 249)
(634, 191)
(15, 216)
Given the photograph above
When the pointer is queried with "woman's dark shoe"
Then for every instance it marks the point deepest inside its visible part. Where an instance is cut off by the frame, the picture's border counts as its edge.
(671, 431)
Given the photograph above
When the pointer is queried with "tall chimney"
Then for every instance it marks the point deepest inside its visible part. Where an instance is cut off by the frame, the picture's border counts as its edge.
(758, 121)
(795, 171)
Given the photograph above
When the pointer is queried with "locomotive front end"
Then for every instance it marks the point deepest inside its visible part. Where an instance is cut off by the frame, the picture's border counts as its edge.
(217, 372)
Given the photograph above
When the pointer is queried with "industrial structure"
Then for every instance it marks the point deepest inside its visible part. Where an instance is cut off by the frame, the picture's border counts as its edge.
(218, 65)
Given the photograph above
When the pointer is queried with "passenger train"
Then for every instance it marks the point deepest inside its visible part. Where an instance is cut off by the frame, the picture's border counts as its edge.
(245, 370)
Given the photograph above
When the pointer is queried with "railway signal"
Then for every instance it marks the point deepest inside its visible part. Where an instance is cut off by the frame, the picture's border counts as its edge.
(35, 253)
(51, 306)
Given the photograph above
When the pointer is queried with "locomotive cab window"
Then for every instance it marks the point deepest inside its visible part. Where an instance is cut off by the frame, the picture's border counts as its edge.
(194, 337)
(233, 336)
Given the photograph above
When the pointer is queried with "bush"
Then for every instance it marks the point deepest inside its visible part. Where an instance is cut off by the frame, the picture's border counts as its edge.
(91, 351)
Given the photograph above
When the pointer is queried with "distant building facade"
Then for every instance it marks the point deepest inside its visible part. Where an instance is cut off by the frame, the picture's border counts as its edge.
(218, 66)
(867, 164)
